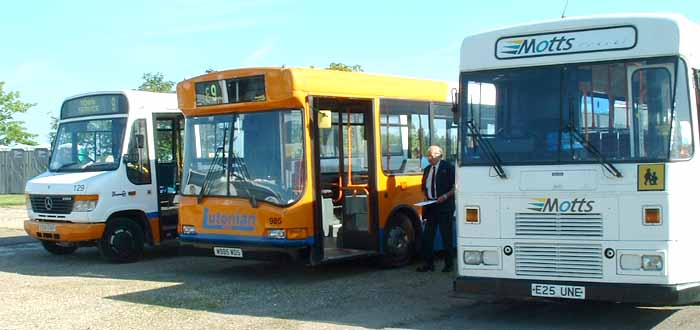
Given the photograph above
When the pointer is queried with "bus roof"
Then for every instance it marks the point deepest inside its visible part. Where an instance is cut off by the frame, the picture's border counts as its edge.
(140, 102)
(286, 87)
(581, 39)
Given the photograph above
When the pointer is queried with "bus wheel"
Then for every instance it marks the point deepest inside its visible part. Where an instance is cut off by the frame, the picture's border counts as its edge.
(59, 248)
(399, 241)
(122, 241)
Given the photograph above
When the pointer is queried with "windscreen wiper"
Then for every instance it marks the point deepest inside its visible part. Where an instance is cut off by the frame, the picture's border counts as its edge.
(65, 166)
(240, 171)
(607, 165)
(490, 152)
(215, 161)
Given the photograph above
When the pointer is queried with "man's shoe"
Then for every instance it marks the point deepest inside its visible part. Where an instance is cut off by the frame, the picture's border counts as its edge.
(425, 268)
(447, 269)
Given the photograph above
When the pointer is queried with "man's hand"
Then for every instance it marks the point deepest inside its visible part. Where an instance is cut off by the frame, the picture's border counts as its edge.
(441, 199)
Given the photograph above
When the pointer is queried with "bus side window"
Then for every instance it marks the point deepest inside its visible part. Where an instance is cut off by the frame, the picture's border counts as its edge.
(444, 130)
(405, 135)
(138, 166)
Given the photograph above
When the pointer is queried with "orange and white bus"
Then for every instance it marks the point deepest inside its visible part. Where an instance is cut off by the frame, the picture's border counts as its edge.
(317, 165)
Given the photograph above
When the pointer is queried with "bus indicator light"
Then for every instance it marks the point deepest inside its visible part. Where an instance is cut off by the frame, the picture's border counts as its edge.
(652, 216)
(296, 233)
(472, 215)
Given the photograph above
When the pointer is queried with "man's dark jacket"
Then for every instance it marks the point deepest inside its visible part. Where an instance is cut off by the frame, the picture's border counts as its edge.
(445, 178)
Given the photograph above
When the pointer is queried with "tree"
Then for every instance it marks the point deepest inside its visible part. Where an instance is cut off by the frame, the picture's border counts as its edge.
(54, 128)
(155, 82)
(13, 131)
(345, 67)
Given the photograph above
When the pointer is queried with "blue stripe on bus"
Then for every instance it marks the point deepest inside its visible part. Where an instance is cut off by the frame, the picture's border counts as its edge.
(152, 215)
(238, 239)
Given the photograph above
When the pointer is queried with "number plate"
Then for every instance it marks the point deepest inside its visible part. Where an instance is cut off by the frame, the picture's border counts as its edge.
(47, 227)
(558, 291)
(228, 252)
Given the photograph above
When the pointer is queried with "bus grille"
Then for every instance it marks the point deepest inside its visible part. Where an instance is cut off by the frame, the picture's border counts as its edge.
(585, 225)
(559, 260)
(58, 204)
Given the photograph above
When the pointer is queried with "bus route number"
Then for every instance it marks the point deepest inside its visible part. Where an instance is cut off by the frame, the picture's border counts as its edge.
(275, 221)
(79, 187)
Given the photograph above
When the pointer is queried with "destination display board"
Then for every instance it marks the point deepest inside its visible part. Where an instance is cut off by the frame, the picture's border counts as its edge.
(94, 105)
(566, 42)
(236, 90)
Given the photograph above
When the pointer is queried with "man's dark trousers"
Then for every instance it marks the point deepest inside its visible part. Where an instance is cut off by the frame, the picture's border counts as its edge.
(437, 217)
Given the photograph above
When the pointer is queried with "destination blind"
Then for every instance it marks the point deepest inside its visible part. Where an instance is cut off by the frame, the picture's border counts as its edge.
(93, 105)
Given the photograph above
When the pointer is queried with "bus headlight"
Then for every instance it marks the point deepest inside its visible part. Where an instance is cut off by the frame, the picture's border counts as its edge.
(652, 262)
(472, 257)
(276, 233)
(85, 203)
(490, 258)
(630, 262)
(189, 230)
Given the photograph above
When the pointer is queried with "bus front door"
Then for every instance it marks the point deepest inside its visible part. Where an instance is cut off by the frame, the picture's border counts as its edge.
(168, 137)
(344, 176)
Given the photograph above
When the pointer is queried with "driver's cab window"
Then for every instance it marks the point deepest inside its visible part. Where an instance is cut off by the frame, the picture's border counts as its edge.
(138, 165)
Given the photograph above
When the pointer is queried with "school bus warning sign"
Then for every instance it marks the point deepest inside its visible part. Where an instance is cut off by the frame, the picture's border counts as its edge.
(651, 177)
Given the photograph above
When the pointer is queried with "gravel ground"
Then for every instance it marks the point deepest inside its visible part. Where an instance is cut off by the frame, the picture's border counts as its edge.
(12, 217)
(164, 291)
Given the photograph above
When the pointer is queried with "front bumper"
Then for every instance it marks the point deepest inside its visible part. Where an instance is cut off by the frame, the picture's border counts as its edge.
(65, 231)
(255, 248)
(647, 294)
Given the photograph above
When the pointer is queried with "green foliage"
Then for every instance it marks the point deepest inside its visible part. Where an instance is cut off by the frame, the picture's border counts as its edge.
(13, 131)
(155, 82)
(54, 128)
(344, 67)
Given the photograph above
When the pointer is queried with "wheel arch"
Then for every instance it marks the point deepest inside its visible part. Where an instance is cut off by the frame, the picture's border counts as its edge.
(139, 217)
(412, 215)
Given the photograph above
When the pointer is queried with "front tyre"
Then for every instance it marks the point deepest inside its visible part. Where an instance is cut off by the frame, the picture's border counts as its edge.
(399, 241)
(59, 248)
(122, 241)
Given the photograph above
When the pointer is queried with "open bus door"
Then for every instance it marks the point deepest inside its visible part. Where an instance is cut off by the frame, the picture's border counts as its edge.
(346, 217)
(168, 137)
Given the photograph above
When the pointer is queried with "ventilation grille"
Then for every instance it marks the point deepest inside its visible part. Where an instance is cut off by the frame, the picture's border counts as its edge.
(52, 204)
(569, 225)
(559, 260)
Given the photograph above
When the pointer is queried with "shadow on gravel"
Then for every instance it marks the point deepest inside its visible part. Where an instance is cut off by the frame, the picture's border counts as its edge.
(348, 294)
(14, 240)
(508, 314)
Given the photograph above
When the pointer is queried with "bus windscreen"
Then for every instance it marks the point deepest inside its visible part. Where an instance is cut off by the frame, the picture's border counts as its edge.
(108, 104)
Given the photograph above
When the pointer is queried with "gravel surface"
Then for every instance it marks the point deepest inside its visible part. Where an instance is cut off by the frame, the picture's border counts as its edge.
(12, 217)
(164, 291)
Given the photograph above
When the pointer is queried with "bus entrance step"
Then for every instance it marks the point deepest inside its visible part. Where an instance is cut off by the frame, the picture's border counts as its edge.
(337, 254)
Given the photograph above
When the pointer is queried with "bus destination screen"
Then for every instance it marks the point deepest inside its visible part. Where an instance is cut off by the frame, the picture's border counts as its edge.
(236, 90)
(93, 105)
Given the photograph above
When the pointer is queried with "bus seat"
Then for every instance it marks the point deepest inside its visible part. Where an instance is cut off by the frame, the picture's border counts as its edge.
(166, 177)
(609, 141)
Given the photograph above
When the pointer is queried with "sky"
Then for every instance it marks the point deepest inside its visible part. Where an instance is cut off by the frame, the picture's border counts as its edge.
(55, 49)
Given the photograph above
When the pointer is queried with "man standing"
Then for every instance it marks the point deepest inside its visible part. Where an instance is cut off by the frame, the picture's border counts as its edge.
(438, 184)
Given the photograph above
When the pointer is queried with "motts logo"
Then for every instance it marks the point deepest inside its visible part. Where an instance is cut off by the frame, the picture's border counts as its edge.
(555, 205)
(535, 46)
